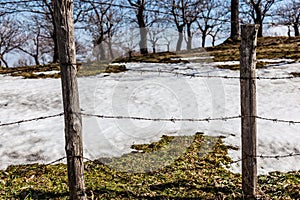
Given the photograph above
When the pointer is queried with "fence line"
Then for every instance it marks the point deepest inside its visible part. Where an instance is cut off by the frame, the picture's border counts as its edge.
(195, 75)
(209, 119)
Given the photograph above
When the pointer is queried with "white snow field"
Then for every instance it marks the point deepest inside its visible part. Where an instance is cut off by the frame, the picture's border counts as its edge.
(150, 95)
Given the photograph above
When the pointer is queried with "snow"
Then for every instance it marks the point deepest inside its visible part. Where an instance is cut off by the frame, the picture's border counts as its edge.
(153, 95)
(47, 72)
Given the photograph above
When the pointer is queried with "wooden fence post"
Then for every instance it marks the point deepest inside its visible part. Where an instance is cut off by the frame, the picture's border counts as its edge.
(63, 10)
(248, 109)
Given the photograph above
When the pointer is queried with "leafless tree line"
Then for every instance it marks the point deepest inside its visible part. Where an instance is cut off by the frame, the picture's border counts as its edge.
(28, 26)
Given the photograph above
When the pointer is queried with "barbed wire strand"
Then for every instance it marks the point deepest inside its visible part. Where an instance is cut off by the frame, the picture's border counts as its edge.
(56, 161)
(293, 154)
(161, 119)
(290, 122)
(197, 75)
(208, 119)
(30, 120)
(278, 120)
(268, 157)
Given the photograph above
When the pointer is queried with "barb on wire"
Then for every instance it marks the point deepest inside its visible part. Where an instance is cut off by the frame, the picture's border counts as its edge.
(267, 157)
(278, 120)
(162, 119)
(56, 161)
(278, 156)
(195, 75)
(30, 120)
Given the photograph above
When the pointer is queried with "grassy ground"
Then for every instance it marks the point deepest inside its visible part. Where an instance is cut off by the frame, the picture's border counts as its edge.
(33, 71)
(267, 48)
(199, 171)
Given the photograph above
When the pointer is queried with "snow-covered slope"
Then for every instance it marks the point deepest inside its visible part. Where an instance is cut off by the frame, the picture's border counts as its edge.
(152, 95)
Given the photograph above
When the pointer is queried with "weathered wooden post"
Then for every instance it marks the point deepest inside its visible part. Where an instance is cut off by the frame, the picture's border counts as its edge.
(248, 109)
(63, 10)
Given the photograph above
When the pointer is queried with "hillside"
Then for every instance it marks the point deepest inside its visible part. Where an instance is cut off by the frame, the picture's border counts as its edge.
(282, 49)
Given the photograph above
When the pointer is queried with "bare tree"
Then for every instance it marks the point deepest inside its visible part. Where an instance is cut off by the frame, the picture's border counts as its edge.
(38, 43)
(43, 9)
(178, 13)
(155, 34)
(289, 14)
(211, 17)
(192, 10)
(184, 13)
(219, 33)
(258, 10)
(11, 37)
(102, 20)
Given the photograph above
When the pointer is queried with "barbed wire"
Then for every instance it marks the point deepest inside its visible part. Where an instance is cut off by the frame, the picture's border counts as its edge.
(172, 119)
(278, 120)
(56, 161)
(278, 156)
(30, 120)
(197, 75)
(293, 154)
(161, 119)
(208, 119)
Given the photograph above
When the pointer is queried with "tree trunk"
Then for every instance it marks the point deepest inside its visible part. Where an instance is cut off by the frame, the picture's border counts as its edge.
(296, 29)
(259, 19)
(203, 39)
(189, 34)
(143, 41)
(180, 38)
(112, 56)
(143, 30)
(213, 40)
(102, 51)
(235, 31)
(55, 58)
(63, 10)
(153, 49)
(5, 63)
(36, 60)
